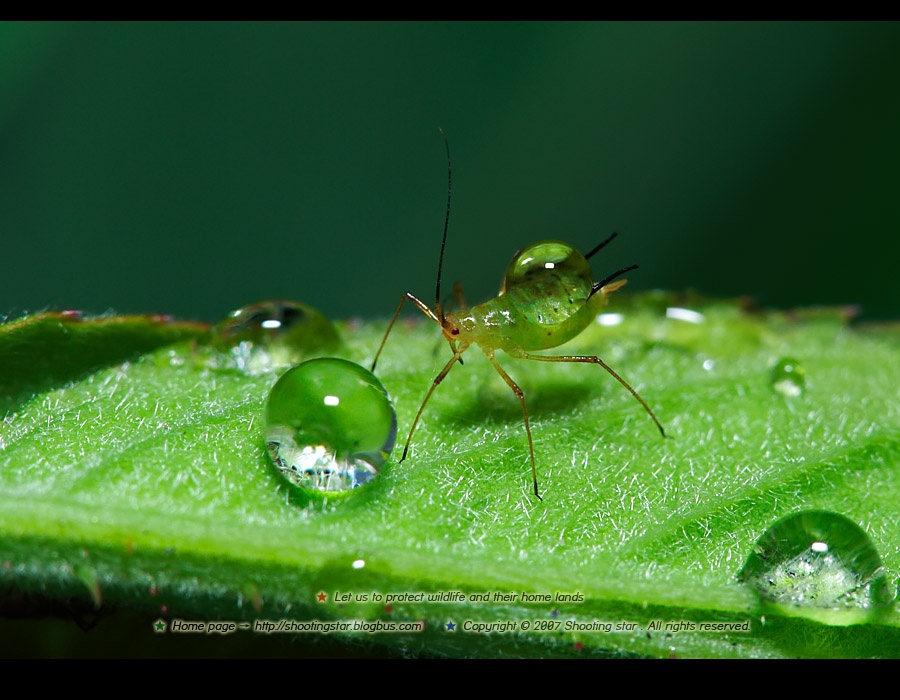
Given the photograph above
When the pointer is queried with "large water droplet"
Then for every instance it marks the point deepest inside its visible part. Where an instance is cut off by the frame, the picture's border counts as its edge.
(330, 425)
(788, 377)
(817, 562)
(273, 335)
(548, 282)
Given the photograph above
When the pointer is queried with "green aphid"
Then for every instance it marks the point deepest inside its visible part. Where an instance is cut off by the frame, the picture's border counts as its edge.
(548, 297)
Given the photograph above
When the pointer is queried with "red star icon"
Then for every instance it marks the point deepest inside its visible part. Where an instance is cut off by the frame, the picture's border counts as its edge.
(322, 597)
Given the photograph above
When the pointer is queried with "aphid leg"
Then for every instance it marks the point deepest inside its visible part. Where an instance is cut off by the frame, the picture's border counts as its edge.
(437, 380)
(597, 361)
(418, 302)
(518, 392)
(460, 297)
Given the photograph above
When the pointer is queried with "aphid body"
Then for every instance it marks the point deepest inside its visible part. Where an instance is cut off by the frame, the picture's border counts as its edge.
(546, 300)
(548, 297)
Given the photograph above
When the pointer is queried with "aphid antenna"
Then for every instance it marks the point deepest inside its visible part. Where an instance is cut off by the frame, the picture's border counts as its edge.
(597, 287)
(600, 245)
(437, 292)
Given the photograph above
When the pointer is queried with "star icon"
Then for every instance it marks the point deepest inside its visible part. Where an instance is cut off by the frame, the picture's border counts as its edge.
(159, 626)
(451, 626)
(322, 597)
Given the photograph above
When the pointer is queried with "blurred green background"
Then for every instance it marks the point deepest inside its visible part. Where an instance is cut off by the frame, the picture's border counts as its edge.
(190, 168)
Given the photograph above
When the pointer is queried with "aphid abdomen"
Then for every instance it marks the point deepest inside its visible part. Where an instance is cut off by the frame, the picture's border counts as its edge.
(546, 300)
(499, 324)
(549, 301)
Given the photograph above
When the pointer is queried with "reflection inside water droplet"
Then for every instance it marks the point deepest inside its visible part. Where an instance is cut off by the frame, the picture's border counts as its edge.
(788, 377)
(272, 335)
(817, 560)
(330, 425)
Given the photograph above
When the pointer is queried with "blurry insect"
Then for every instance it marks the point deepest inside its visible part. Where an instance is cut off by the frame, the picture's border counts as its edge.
(548, 297)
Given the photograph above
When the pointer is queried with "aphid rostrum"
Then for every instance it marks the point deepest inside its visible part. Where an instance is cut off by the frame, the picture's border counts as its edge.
(548, 297)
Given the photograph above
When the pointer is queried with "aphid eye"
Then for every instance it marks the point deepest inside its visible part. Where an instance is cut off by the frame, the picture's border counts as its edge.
(455, 331)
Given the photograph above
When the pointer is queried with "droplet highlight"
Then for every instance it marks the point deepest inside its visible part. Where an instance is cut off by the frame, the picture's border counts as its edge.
(273, 335)
(330, 425)
(789, 377)
(816, 562)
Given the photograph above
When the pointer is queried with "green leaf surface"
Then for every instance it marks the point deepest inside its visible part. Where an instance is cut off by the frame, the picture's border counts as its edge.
(146, 483)
(46, 350)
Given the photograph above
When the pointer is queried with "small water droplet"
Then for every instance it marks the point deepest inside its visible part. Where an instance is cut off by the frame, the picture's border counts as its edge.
(788, 377)
(709, 364)
(251, 592)
(610, 319)
(175, 358)
(689, 315)
(272, 335)
(89, 578)
(816, 561)
(322, 444)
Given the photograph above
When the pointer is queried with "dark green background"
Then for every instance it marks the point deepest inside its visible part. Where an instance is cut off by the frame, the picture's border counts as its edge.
(192, 168)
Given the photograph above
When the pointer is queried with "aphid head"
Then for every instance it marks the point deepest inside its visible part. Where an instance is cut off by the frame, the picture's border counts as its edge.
(450, 326)
(454, 332)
